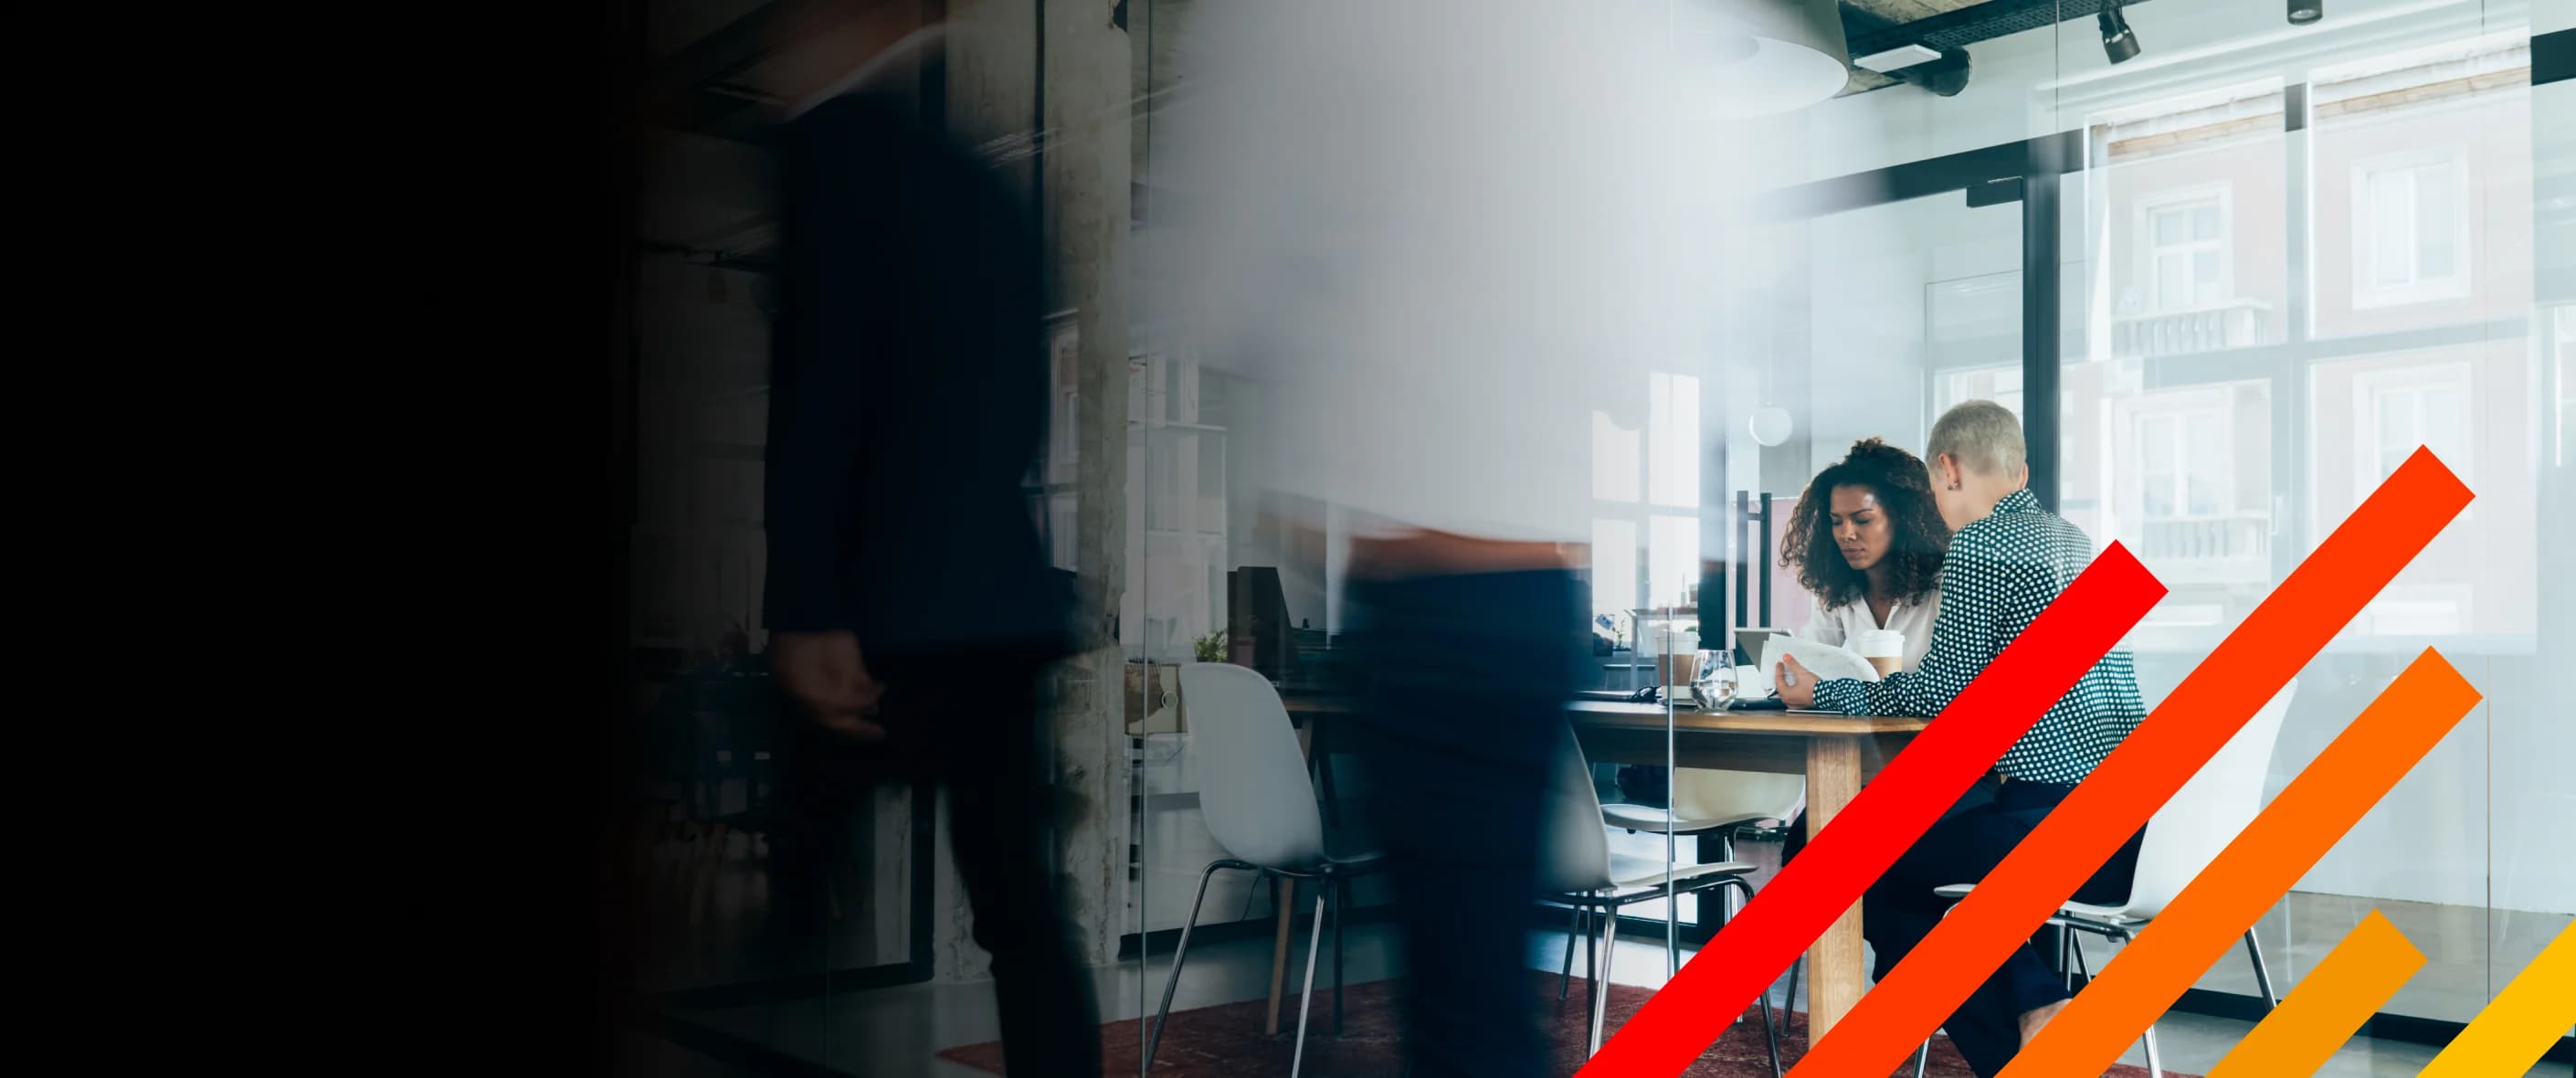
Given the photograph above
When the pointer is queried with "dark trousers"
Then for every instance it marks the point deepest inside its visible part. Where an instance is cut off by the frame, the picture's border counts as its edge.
(1464, 681)
(967, 721)
(1962, 847)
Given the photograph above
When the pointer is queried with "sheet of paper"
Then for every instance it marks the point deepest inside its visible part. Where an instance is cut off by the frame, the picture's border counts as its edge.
(1827, 662)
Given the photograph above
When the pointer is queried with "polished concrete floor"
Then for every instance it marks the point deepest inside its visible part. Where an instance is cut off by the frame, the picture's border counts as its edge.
(898, 1031)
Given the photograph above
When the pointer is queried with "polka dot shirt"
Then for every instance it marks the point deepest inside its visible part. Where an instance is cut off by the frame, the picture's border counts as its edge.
(1999, 574)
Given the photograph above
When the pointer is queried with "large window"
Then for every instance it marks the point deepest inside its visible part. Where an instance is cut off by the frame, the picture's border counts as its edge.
(2285, 303)
(2410, 226)
(1638, 478)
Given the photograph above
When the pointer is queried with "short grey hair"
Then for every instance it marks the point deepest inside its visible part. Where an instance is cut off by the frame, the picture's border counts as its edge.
(1982, 436)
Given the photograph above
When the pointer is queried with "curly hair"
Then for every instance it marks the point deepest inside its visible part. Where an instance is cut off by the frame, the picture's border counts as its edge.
(1904, 490)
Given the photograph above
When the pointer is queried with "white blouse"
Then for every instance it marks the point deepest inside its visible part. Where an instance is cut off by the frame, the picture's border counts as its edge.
(1839, 624)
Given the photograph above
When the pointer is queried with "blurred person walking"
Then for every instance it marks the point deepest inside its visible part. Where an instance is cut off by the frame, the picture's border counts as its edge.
(912, 609)
(1436, 255)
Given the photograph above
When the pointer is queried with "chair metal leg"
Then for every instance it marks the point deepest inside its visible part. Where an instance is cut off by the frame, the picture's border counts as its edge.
(1573, 928)
(1922, 1058)
(1601, 982)
(1729, 903)
(1180, 953)
(1306, 1003)
(2066, 955)
(1771, 1033)
(1341, 908)
(2155, 1059)
(2262, 974)
(1790, 1001)
(1592, 955)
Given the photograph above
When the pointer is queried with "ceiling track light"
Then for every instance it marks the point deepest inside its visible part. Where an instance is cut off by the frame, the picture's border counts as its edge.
(2118, 41)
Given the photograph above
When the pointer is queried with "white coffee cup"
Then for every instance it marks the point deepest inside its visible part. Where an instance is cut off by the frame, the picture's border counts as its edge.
(1884, 648)
(1750, 684)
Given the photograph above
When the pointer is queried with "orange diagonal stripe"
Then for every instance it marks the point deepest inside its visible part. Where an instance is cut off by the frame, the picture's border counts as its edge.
(2210, 705)
(2515, 1030)
(2354, 980)
(2197, 927)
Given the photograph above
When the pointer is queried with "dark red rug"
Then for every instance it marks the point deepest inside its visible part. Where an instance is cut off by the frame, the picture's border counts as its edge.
(1225, 1041)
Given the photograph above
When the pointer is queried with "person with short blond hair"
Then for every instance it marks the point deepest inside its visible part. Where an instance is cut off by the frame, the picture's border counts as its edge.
(1985, 438)
(2009, 558)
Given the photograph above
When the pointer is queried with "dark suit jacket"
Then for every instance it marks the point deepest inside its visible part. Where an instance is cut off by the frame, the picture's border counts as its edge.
(908, 393)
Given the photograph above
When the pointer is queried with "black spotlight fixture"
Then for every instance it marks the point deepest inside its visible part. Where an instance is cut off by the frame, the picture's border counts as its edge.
(1945, 76)
(2303, 12)
(2118, 41)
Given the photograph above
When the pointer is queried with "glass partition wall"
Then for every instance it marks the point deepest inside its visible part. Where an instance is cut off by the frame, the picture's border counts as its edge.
(2306, 253)
(2258, 266)
(2226, 284)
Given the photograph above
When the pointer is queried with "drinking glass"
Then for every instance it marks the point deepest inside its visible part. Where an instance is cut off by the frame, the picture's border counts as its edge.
(1713, 682)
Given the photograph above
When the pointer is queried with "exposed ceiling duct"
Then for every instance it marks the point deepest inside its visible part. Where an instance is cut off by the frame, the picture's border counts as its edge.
(1766, 56)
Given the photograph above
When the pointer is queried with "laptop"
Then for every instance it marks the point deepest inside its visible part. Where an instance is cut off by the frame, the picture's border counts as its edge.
(1750, 642)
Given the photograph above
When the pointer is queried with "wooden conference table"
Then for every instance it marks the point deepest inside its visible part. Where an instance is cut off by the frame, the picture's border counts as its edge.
(1835, 753)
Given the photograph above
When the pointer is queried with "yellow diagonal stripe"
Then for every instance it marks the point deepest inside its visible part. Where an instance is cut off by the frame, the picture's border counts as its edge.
(2510, 1035)
(2354, 981)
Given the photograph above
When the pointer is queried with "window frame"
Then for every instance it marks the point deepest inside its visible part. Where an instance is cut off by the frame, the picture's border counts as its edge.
(1670, 416)
(2367, 293)
(2457, 374)
(2180, 407)
(2219, 193)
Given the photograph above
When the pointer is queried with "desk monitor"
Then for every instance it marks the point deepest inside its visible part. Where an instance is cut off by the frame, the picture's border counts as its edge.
(1749, 643)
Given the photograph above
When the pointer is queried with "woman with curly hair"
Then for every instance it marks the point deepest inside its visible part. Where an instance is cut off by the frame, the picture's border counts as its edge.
(1866, 539)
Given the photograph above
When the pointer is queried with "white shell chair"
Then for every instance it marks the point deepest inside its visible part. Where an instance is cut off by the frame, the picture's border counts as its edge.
(1580, 871)
(1708, 802)
(1260, 807)
(2182, 838)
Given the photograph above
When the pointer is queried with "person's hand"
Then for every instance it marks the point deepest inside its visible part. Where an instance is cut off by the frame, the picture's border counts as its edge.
(1797, 686)
(823, 673)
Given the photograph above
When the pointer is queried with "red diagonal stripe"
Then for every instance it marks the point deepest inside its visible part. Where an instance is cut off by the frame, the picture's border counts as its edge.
(2249, 668)
(1985, 719)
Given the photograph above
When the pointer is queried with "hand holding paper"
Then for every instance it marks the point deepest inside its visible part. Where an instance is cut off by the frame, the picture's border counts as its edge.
(1807, 662)
(1825, 660)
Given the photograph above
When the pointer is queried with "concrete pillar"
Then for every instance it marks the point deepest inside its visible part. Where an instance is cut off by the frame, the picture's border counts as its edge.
(1043, 87)
(1084, 193)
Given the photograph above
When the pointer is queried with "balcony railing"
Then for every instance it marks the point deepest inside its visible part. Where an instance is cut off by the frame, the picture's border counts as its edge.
(2224, 548)
(2238, 324)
